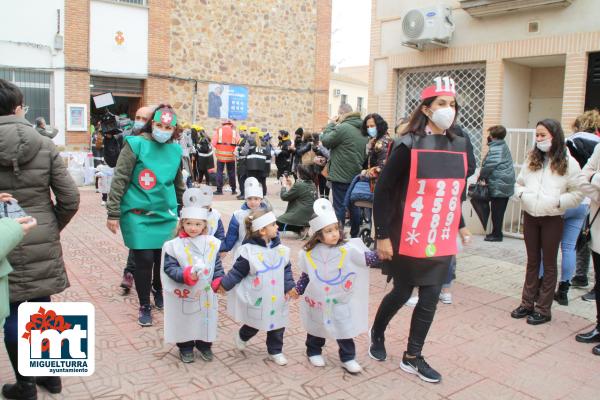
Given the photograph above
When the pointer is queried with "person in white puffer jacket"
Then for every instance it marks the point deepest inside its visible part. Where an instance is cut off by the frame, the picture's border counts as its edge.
(547, 186)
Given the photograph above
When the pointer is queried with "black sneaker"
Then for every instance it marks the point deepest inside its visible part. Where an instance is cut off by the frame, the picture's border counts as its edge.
(418, 366)
(589, 337)
(159, 303)
(206, 354)
(537, 319)
(240, 197)
(218, 192)
(377, 348)
(490, 238)
(187, 356)
(521, 312)
(145, 318)
(589, 296)
(579, 281)
(52, 384)
(24, 389)
(596, 350)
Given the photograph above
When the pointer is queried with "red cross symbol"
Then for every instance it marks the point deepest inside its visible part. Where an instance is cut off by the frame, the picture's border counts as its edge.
(147, 179)
(166, 118)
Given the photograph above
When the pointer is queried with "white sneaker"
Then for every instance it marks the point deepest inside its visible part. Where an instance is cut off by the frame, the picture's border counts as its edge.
(239, 343)
(317, 361)
(412, 301)
(103, 203)
(446, 297)
(352, 366)
(278, 359)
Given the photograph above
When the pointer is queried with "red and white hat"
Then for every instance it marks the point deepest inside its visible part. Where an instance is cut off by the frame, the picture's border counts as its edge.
(444, 86)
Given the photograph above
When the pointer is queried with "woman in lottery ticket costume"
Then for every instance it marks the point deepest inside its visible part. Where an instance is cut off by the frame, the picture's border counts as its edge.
(417, 219)
(260, 283)
(147, 187)
(335, 285)
(190, 264)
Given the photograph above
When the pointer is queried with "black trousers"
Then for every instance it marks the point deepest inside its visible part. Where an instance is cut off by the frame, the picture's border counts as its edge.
(314, 347)
(261, 178)
(147, 265)
(596, 258)
(498, 208)
(130, 266)
(323, 189)
(242, 182)
(422, 316)
(201, 174)
(274, 338)
(186, 347)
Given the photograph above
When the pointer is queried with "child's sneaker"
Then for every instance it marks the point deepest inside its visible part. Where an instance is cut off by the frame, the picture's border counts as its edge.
(206, 354)
(278, 359)
(187, 356)
(239, 343)
(317, 361)
(159, 303)
(352, 366)
(377, 347)
(412, 301)
(418, 366)
(446, 297)
(145, 316)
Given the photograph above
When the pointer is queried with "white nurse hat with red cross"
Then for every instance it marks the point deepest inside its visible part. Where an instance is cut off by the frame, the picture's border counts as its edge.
(444, 86)
(192, 208)
(325, 215)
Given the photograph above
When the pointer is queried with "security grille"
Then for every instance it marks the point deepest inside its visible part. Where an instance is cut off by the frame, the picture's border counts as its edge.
(470, 85)
(36, 87)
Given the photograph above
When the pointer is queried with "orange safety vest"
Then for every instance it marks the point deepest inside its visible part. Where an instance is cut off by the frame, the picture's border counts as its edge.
(225, 144)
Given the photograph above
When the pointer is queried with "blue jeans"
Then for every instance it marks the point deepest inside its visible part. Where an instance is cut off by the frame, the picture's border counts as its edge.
(11, 326)
(230, 174)
(451, 273)
(339, 194)
(574, 218)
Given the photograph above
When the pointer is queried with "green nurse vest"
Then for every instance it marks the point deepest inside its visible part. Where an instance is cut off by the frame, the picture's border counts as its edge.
(149, 207)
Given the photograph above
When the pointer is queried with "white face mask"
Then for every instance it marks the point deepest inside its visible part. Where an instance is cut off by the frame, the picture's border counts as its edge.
(544, 145)
(443, 117)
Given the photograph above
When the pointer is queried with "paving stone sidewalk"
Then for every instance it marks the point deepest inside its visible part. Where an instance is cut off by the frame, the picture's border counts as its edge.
(481, 352)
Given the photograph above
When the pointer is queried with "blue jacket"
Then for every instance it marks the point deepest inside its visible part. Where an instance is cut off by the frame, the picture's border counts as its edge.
(175, 271)
(233, 231)
(241, 268)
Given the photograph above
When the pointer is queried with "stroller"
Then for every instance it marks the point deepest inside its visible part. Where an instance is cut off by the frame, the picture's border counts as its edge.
(359, 195)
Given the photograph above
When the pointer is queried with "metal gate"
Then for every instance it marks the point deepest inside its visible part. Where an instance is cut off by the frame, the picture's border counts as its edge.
(36, 87)
(470, 84)
(520, 142)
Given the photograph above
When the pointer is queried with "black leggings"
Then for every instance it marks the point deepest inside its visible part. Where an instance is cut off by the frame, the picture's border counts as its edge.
(422, 316)
(147, 264)
(596, 258)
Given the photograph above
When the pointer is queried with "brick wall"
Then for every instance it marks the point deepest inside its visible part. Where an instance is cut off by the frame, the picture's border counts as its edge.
(156, 90)
(77, 79)
(322, 70)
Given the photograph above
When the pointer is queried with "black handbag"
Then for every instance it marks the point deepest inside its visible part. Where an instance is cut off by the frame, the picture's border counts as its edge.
(479, 191)
(585, 234)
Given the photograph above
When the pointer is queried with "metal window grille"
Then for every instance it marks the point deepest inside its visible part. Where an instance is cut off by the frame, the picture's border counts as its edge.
(126, 86)
(520, 142)
(36, 87)
(470, 84)
(136, 2)
(359, 104)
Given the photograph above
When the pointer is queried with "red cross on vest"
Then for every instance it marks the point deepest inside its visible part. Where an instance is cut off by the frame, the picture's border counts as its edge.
(147, 179)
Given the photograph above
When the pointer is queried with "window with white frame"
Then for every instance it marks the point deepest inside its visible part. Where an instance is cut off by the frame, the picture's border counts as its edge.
(36, 87)
(470, 87)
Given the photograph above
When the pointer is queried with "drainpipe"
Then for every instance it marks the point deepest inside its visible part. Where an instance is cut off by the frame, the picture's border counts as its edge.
(194, 97)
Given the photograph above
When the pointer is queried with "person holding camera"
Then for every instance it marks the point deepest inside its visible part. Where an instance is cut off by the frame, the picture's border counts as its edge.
(300, 196)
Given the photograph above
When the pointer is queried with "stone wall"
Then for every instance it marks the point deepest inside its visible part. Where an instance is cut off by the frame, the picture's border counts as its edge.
(269, 46)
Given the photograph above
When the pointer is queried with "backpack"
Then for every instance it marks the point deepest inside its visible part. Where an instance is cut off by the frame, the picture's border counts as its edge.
(204, 146)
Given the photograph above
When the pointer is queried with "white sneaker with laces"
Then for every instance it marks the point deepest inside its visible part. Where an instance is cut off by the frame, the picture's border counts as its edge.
(278, 359)
(317, 361)
(352, 366)
(446, 297)
(412, 301)
(239, 343)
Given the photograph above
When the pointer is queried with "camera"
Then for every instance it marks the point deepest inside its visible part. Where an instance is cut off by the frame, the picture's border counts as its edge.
(109, 124)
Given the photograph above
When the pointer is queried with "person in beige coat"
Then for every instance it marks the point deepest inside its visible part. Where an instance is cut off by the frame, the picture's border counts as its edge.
(547, 186)
(590, 186)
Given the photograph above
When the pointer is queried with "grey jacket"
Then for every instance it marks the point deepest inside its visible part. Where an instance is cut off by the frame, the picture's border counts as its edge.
(31, 170)
(497, 169)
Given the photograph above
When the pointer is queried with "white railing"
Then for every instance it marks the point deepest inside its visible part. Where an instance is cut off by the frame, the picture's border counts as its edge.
(519, 141)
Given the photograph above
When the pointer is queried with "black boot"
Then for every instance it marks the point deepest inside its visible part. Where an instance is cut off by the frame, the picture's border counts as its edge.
(24, 388)
(561, 294)
(53, 384)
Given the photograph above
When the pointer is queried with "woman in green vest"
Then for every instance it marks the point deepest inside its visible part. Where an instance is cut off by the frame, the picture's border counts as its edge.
(147, 187)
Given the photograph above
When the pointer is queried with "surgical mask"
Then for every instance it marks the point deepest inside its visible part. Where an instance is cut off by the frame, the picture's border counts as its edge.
(137, 126)
(161, 136)
(544, 145)
(372, 131)
(443, 117)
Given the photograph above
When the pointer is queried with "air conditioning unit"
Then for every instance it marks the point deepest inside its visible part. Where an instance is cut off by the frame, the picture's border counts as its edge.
(432, 25)
(337, 92)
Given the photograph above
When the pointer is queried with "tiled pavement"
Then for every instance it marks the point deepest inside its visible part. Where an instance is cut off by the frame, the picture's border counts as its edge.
(481, 351)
